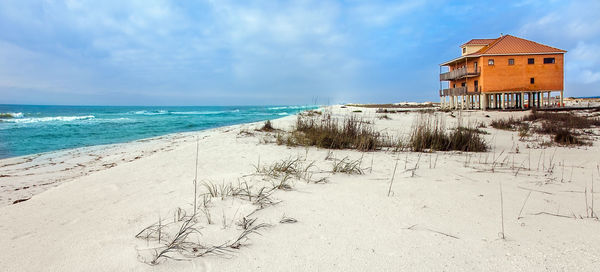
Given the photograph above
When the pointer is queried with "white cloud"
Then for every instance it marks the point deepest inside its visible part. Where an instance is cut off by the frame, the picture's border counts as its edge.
(374, 13)
(575, 28)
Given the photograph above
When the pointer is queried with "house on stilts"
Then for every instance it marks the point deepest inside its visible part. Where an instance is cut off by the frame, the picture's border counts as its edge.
(503, 73)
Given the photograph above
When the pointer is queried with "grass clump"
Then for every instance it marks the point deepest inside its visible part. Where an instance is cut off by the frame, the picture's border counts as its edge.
(566, 120)
(347, 166)
(506, 124)
(267, 127)
(427, 135)
(567, 137)
(327, 132)
(562, 127)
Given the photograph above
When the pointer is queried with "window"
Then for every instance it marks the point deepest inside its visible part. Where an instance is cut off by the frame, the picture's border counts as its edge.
(491, 62)
(548, 60)
(464, 50)
(531, 61)
(511, 61)
(532, 80)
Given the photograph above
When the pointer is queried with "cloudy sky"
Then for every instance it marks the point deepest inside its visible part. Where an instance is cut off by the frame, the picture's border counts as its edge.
(224, 52)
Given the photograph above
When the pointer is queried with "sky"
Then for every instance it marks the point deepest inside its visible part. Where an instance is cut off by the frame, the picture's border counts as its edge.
(159, 52)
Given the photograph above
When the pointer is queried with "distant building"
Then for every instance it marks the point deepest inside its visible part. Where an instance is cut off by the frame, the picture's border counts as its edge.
(503, 73)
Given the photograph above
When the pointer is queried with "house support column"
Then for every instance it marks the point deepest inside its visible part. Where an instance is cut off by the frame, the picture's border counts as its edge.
(561, 99)
(483, 101)
(454, 101)
(521, 100)
(544, 100)
(503, 100)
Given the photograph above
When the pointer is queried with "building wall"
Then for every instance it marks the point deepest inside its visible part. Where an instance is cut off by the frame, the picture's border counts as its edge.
(470, 63)
(504, 77)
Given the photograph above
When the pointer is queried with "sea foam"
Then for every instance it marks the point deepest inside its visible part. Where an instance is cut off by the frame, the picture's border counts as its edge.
(49, 119)
(6, 115)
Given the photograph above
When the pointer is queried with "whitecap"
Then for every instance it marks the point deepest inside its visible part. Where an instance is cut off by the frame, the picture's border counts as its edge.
(290, 107)
(197, 112)
(11, 115)
(49, 119)
(145, 112)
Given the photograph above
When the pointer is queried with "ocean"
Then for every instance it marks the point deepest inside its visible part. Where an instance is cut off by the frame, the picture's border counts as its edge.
(28, 129)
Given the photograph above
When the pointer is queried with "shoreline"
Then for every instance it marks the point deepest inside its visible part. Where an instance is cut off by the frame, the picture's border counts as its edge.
(32, 130)
(68, 162)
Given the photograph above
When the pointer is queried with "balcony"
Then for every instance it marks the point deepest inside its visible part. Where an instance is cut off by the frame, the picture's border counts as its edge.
(460, 91)
(460, 73)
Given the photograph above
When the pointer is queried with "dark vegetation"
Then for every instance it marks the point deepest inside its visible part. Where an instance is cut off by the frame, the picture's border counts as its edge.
(267, 127)
(432, 136)
(326, 132)
(355, 133)
(565, 128)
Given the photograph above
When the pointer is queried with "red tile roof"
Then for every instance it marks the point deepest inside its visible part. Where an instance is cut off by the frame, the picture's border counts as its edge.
(508, 44)
(479, 42)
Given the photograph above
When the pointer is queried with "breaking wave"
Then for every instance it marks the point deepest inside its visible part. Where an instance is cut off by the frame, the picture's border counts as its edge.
(7, 115)
(49, 119)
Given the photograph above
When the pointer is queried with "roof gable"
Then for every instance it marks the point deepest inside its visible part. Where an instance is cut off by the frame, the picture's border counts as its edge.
(508, 44)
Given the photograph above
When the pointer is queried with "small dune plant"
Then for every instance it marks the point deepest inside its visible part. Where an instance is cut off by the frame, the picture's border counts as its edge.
(427, 135)
(267, 127)
(564, 128)
(324, 131)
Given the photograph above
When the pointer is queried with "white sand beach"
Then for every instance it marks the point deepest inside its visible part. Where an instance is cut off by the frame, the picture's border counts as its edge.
(444, 213)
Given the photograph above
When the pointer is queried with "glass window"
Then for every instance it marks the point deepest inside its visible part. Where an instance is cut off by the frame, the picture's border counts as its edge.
(464, 50)
(548, 60)
(532, 80)
(530, 61)
(491, 62)
(511, 61)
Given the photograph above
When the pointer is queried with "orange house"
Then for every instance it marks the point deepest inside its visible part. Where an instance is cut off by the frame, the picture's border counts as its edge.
(503, 73)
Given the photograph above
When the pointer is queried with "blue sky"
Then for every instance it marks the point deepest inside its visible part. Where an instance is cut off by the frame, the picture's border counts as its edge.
(267, 52)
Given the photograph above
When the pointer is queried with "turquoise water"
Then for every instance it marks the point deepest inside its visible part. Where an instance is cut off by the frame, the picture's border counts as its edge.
(26, 129)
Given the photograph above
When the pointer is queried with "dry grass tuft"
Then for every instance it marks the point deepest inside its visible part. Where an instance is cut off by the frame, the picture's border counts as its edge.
(506, 124)
(563, 127)
(384, 117)
(347, 166)
(432, 136)
(267, 127)
(327, 132)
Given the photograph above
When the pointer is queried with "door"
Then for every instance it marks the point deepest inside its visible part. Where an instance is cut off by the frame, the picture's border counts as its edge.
(475, 67)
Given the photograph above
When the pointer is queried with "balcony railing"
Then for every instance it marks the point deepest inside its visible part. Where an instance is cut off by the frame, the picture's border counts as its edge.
(459, 73)
(460, 91)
